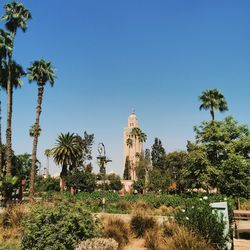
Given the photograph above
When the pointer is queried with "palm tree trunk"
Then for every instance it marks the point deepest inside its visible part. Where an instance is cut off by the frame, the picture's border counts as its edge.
(9, 118)
(63, 175)
(35, 141)
(212, 113)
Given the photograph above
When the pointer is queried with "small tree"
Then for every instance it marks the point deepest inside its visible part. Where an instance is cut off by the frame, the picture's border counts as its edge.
(82, 181)
(114, 182)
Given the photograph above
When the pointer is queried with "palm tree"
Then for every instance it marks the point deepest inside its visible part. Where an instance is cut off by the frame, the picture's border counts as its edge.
(213, 100)
(5, 47)
(17, 73)
(41, 72)
(32, 130)
(129, 142)
(16, 16)
(66, 153)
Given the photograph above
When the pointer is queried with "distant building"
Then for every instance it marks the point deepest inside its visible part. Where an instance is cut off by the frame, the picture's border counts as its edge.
(133, 150)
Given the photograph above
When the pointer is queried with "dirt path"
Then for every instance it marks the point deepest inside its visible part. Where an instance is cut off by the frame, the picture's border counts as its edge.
(136, 244)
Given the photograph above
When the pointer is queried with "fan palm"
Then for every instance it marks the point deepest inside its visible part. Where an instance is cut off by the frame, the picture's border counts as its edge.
(17, 73)
(32, 130)
(213, 100)
(5, 48)
(129, 142)
(66, 153)
(15, 16)
(41, 72)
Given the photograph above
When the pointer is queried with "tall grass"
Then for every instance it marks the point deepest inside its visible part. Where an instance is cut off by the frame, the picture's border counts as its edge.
(118, 230)
(178, 237)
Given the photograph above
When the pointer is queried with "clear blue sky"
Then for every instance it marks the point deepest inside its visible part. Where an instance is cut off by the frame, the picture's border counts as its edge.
(113, 56)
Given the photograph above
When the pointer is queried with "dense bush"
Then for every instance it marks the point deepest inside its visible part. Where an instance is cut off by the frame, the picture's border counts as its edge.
(114, 182)
(140, 223)
(48, 184)
(98, 244)
(201, 219)
(82, 181)
(61, 226)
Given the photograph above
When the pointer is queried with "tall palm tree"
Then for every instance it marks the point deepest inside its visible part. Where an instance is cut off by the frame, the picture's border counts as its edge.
(41, 72)
(17, 73)
(66, 153)
(213, 100)
(5, 47)
(15, 16)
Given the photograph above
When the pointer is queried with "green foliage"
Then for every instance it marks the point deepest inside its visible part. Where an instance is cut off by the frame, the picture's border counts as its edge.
(61, 226)
(114, 182)
(8, 186)
(176, 162)
(220, 157)
(213, 100)
(200, 218)
(82, 181)
(235, 180)
(127, 170)
(158, 155)
(138, 186)
(158, 182)
(48, 184)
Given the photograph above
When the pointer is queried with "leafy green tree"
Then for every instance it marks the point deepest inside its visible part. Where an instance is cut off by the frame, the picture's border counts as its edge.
(47, 184)
(176, 163)
(159, 182)
(114, 182)
(219, 146)
(15, 16)
(86, 143)
(80, 180)
(66, 152)
(41, 72)
(213, 100)
(158, 155)
(138, 186)
(235, 179)
(196, 175)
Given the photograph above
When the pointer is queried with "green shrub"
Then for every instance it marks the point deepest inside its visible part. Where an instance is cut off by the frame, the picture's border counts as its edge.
(48, 184)
(140, 223)
(61, 226)
(201, 219)
(82, 181)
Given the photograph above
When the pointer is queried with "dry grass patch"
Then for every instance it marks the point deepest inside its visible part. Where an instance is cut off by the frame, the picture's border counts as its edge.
(245, 205)
(178, 237)
(141, 222)
(116, 229)
(154, 239)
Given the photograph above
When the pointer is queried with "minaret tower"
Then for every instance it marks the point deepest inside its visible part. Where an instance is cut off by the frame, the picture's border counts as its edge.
(134, 148)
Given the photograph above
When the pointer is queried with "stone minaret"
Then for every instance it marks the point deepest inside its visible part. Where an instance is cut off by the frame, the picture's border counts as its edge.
(137, 147)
